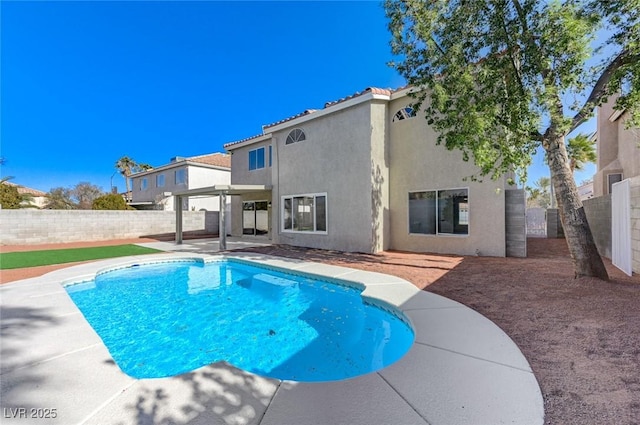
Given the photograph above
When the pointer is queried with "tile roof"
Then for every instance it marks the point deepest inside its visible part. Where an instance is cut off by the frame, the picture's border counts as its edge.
(216, 159)
(243, 140)
(372, 90)
(26, 190)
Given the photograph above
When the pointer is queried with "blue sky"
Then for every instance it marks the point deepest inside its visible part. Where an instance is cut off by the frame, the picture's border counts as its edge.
(85, 83)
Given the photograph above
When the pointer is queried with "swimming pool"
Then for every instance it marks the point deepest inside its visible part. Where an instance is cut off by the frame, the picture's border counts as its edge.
(168, 318)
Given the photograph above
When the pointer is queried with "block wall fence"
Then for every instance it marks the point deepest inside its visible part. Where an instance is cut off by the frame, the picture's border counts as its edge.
(32, 227)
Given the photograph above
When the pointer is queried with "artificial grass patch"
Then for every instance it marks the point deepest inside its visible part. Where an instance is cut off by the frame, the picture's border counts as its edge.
(17, 260)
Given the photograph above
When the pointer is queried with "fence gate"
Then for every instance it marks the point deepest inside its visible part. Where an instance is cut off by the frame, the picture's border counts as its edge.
(537, 222)
(621, 226)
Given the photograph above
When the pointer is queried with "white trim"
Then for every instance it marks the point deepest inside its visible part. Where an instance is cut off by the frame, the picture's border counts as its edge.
(305, 232)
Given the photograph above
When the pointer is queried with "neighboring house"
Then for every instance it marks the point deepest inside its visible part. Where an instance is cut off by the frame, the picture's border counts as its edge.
(364, 174)
(38, 198)
(151, 189)
(618, 149)
(586, 191)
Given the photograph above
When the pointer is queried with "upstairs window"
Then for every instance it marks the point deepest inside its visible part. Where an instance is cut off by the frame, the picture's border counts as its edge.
(143, 184)
(404, 114)
(181, 176)
(160, 180)
(296, 135)
(256, 159)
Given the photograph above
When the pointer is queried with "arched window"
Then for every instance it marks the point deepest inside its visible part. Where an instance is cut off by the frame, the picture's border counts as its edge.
(296, 135)
(404, 114)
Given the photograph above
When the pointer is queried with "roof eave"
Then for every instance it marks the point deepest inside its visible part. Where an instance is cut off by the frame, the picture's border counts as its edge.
(366, 97)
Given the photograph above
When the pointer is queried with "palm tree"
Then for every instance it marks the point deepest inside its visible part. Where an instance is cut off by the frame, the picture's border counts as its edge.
(125, 166)
(539, 195)
(581, 151)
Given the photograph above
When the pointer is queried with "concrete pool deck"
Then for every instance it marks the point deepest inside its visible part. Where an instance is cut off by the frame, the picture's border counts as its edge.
(461, 369)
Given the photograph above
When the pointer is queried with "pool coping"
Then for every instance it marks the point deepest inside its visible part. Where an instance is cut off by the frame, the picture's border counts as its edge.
(461, 368)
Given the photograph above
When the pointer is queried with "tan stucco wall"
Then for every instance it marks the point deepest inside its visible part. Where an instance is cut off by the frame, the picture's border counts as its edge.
(334, 159)
(418, 164)
(240, 173)
(618, 149)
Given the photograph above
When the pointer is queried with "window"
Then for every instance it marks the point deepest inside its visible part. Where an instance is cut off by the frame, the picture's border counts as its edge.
(270, 155)
(613, 178)
(404, 114)
(181, 176)
(160, 180)
(296, 135)
(143, 184)
(439, 212)
(304, 213)
(256, 159)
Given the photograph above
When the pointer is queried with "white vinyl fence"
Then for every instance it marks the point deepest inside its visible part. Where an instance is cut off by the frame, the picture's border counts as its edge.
(621, 226)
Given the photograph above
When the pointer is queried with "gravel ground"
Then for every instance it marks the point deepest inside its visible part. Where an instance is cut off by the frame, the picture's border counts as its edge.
(581, 336)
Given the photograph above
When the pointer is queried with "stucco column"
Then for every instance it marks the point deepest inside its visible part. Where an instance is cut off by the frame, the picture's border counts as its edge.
(222, 225)
(177, 204)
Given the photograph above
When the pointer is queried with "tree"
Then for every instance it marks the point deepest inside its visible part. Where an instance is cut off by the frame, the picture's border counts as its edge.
(492, 77)
(111, 201)
(580, 151)
(84, 193)
(127, 166)
(9, 196)
(60, 198)
(540, 195)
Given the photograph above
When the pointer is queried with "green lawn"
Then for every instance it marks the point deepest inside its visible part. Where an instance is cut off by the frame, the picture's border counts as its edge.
(16, 260)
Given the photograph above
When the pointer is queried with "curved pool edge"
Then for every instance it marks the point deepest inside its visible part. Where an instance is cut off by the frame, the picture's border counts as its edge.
(461, 368)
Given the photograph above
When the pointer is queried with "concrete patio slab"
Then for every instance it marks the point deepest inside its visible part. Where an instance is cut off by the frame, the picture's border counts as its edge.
(212, 395)
(465, 331)
(462, 369)
(448, 388)
(360, 401)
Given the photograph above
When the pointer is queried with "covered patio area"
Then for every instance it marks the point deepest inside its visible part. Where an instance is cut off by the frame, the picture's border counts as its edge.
(222, 191)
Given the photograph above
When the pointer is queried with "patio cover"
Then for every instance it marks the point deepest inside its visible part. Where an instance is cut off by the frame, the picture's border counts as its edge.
(221, 190)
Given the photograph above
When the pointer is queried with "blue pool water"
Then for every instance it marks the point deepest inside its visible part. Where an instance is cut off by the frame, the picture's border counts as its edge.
(164, 319)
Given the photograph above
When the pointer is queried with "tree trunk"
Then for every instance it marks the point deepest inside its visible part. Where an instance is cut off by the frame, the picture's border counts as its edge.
(586, 260)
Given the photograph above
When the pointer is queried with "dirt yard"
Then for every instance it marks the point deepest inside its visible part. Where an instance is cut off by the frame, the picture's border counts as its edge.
(581, 336)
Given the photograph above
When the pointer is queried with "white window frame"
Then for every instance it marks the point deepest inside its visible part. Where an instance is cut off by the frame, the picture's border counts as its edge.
(160, 180)
(306, 232)
(438, 234)
(144, 184)
(257, 167)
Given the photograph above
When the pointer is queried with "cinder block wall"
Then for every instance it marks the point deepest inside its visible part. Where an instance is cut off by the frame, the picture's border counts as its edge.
(31, 227)
(598, 211)
(515, 220)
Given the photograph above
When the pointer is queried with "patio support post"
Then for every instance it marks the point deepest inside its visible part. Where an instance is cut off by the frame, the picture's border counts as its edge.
(177, 204)
(222, 224)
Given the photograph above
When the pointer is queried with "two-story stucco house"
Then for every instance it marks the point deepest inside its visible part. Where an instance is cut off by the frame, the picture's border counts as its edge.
(151, 189)
(364, 174)
(618, 149)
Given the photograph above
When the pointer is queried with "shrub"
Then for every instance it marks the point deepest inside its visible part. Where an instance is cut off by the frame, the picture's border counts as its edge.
(112, 201)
